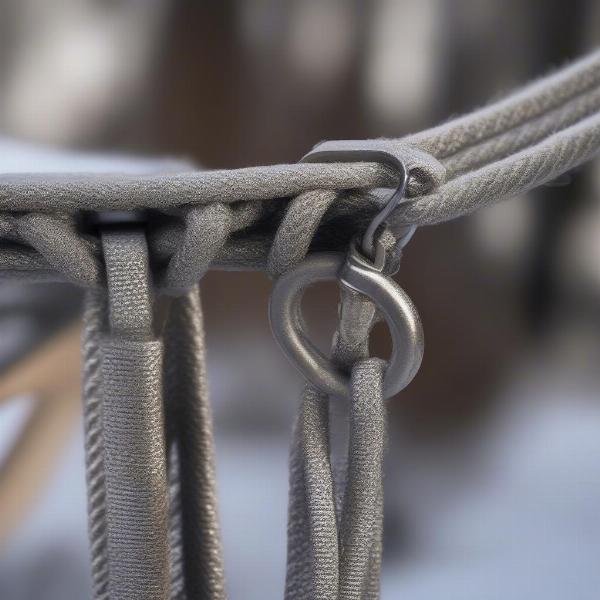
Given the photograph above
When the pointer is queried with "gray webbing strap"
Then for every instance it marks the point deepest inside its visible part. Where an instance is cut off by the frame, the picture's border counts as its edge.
(149, 537)
(136, 491)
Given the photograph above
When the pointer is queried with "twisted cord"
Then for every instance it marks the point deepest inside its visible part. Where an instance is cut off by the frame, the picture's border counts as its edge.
(189, 423)
(178, 591)
(95, 307)
(508, 177)
(514, 111)
(267, 218)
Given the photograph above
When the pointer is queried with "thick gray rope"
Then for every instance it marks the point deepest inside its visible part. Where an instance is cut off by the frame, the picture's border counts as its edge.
(333, 555)
(312, 542)
(362, 514)
(327, 560)
(508, 177)
(228, 219)
(517, 110)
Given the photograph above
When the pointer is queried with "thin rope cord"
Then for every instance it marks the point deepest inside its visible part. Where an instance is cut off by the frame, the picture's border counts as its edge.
(178, 591)
(94, 311)
(189, 423)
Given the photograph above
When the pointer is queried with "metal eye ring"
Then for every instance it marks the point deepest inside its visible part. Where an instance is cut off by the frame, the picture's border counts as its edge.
(355, 272)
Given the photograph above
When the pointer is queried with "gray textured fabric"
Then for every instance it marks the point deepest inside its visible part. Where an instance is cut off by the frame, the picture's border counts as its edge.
(362, 514)
(135, 471)
(137, 501)
(529, 138)
(328, 559)
(189, 427)
(93, 329)
(71, 193)
(312, 550)
(129, 285)
(335, 508)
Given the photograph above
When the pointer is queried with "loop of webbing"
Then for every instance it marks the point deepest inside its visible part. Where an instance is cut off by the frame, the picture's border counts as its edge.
(129, 284)
(137, 501)
(152, 507)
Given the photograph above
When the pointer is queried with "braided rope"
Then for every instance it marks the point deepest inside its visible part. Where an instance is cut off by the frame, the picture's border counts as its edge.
(95, 307)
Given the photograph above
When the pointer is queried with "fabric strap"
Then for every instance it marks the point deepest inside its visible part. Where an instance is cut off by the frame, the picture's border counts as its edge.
(153, 523)
(135, 469)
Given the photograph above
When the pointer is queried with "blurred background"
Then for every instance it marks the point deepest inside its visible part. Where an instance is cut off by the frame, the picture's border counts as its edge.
(492, 485)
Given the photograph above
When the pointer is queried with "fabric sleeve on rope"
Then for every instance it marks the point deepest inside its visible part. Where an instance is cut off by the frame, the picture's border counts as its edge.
(136, 496)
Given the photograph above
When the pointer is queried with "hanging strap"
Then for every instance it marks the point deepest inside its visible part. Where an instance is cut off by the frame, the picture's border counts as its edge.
(129, 501)
(191, 450)
(153, 522)
(335, 518)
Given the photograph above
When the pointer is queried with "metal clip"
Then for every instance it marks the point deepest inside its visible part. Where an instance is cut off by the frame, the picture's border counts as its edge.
(369, 244)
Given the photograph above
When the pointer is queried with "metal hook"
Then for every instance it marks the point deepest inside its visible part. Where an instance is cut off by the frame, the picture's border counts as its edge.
(378, 156)
(358, 274)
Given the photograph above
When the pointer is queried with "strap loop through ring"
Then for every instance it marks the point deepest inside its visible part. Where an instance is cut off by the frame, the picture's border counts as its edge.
(358, 274)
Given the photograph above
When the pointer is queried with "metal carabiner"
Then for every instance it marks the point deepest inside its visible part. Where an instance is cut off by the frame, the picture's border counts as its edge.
(356, 273)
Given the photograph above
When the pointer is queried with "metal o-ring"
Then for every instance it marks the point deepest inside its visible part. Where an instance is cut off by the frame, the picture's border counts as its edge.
(393, 303)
